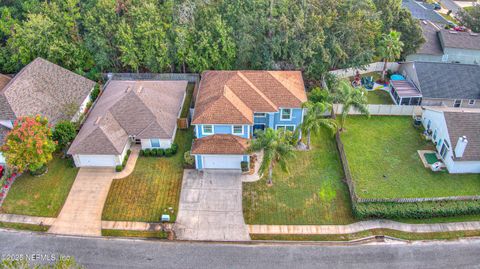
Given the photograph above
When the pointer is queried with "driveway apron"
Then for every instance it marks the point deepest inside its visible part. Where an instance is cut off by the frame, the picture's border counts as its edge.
(82, 212)
(211, 207)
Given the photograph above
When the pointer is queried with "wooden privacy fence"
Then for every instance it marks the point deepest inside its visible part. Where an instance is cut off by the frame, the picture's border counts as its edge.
(190, 77)
(373, 67)
(385, 110)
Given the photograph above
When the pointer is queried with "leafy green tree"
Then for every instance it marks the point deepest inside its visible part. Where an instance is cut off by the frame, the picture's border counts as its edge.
(390, 48)
(318, 95)
(411, 32)
(315, 120)
(275, 151)
(350, 97)
(470, 18)
(64, 133)
(29, 145)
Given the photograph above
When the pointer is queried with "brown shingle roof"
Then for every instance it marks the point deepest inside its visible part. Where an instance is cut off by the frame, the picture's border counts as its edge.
(44, 88)
(144, 109)
(461, 123)
(220, 144)
(462, 40)
(231, 97)
(4, 80)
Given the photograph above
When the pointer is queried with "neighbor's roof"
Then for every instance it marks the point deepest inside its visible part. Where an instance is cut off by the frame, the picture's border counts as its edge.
(231, 97)
(3, 134)
(461, 40)
(144, 109)
(423, 11)
(448, 80)
(43, 88)
(432, 44)
(4, 80)
(467, 124)
(220, 144)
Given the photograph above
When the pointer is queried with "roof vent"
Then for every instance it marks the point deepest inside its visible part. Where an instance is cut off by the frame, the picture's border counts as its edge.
(128, 89)
(97, 121)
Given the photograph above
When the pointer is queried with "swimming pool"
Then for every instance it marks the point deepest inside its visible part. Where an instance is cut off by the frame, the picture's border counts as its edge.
(397, 77)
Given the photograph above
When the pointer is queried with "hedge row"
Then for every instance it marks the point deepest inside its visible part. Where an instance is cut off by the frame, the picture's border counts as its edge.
(160, 152)
(416, 210)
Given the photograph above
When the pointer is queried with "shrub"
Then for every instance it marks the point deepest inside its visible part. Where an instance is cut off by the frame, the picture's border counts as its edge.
(40, 171)
(129, 152)
(160, 152)
(64, 133)
(174, 148)
(142, 152)
(417, 210)
(244, 166)
(188, 158)
(169, 152)
(148, 152)
(119, 168)
(95, 93)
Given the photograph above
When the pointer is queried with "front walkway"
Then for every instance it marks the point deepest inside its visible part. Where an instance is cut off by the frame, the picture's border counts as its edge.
(82, 212)
(211, 207)
(130, 166)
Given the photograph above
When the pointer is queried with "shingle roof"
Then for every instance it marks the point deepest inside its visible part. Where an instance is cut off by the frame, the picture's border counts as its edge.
(231, 97)
(448, 80)
(4, 80)
(465, 124)
(462, 40)
(144, 109)
(432, 44)
(220, 144)
(3, 134)
(423, 11)
(44, 88)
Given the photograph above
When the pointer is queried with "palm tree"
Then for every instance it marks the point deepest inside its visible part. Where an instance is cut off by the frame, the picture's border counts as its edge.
(390, 48)
(275, 151)
(315, 119)
(351, 97)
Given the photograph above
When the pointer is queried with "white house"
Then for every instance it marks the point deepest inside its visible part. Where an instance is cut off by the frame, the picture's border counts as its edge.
(456, 134)
(42, 88)
(127, 112)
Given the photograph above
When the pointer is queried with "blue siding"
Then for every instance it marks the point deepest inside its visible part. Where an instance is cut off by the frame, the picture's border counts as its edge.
(296, 118)
(221, 129)
(199, 163)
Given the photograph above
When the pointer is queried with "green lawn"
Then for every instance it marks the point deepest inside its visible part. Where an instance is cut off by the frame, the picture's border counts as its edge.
(43, 195)
(313, 192)
(379, 97)
(153, 186)
(382, 154)
(141, 234)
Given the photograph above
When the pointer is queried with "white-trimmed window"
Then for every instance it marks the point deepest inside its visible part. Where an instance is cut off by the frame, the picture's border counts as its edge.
(290, 128)
(457, 103)
(155, 143)
(471, 102)
(207, 129)
(259, 115)
(285, 114)
(237, 129)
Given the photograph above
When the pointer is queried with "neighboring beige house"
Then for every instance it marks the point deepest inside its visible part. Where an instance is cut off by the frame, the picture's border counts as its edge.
(447, 46)
(42, 88)
(445, 84)
(141, 112)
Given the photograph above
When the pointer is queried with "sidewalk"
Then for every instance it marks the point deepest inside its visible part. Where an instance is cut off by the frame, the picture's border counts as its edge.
(26, 219)
(363, 226)
(135, 226)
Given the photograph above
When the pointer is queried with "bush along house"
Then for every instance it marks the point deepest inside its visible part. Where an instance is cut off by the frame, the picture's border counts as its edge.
(232, 105)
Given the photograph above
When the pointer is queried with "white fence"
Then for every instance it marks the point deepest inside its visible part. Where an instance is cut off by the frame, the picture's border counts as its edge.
(386, 110)
(373, 67)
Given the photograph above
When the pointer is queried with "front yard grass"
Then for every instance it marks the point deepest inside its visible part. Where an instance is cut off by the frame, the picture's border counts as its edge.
(42, 195)
(313, 192)
(153, 187)
(382, 154)
(379, 97)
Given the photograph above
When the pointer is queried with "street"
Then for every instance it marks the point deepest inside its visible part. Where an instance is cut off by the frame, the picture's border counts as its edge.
(127, 253)
(450, 5)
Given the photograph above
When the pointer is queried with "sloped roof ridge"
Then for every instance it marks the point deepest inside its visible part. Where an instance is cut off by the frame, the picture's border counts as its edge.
(277, 75)
(236, 102)
(251, 85)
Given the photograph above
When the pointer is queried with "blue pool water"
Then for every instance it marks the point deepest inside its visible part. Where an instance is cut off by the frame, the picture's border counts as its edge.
(397, 77)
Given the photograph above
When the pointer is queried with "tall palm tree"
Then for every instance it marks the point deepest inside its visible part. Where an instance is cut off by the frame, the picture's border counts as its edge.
(275, 151)
(350, 97)
(315, 119)
(390, 48)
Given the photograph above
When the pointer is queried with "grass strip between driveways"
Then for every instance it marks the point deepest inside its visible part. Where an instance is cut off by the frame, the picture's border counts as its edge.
(374, 232)
(152, 187)
(144, 234)
(41, 196)
(27, 227)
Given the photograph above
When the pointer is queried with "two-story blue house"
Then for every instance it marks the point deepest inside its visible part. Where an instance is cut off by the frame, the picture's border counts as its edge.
(231, 105)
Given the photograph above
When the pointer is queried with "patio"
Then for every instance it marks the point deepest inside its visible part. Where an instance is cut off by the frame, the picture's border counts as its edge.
(403, 92)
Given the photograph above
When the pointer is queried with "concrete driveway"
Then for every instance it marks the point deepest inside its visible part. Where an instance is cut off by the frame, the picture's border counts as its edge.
(82, 212)
(211, 207)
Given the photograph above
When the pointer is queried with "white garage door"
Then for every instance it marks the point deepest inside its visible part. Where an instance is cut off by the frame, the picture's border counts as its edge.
(222, 162)
(96, 160)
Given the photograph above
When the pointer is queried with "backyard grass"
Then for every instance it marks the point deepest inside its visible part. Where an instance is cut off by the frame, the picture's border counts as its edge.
(379, 97)
(382, 155)
(313, 192)
(43, 195)
(153, 187)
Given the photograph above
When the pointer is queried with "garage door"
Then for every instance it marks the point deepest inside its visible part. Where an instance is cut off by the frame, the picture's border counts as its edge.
(222, 161)
(96, 160)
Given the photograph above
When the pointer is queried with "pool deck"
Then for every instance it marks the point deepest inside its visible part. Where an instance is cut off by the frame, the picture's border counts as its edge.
(422, 153)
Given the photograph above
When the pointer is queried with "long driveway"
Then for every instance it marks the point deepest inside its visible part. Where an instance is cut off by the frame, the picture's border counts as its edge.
(211, 207)
(82, 212)
(124, 253)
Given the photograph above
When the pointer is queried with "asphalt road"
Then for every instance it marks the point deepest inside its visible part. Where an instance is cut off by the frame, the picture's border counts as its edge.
(450, 4)
(126, 253)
